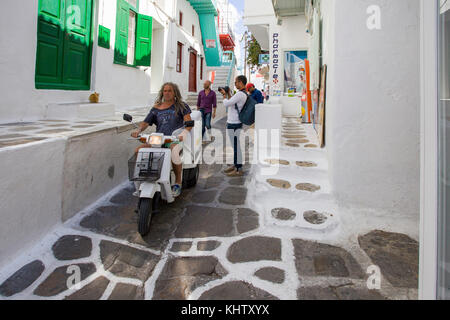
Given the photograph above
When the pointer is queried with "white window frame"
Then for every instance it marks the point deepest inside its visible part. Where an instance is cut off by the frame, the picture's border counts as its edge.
(428, 150)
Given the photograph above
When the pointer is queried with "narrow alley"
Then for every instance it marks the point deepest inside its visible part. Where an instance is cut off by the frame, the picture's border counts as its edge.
(220, 241)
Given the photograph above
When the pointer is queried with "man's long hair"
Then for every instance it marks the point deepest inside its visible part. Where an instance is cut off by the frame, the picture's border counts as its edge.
(180, 106)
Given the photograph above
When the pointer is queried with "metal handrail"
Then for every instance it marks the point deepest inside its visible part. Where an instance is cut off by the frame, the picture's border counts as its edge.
(232, 64)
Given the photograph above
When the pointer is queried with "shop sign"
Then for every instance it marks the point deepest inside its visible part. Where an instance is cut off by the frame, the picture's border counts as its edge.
(210, 43)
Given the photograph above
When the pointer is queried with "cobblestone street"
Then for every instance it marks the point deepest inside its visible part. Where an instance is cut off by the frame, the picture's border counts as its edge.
(209, 244)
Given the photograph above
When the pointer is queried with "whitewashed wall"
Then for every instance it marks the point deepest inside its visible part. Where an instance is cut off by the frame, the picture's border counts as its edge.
(30, 194)
(121, 85)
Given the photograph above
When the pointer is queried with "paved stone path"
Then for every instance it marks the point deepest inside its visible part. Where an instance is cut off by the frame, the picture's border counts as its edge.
(21, 133)
(209, 244)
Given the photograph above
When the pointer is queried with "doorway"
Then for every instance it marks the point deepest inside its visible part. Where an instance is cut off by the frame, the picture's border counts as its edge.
(64, 45)
(192, 70)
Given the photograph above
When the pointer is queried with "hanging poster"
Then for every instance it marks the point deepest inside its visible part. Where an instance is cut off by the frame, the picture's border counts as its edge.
(322, 103)
(316, 110)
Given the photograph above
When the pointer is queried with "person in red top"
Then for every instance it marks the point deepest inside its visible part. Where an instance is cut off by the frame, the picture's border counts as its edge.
(255, 93)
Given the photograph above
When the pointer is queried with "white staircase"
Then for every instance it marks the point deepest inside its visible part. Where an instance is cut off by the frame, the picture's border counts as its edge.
(219, 81)
(221, 77)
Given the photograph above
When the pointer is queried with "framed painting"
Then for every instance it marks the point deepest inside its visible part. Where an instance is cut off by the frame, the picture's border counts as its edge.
(322, 102)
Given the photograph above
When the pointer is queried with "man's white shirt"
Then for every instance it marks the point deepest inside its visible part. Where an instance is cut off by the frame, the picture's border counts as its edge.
(239, 98)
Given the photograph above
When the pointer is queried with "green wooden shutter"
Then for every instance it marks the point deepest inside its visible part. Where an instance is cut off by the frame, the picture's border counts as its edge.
(144, 40)
(121, 45)
(77, 44)
(50, 39)
(104, 35)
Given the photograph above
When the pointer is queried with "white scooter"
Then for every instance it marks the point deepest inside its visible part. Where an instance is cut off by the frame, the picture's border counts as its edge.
(152, 168)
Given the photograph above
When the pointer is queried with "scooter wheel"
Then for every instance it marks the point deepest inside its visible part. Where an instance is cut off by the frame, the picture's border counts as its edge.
(146, 210)
(190, 177)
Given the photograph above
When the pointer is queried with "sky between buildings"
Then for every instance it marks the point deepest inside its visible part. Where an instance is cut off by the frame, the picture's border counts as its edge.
(238, 7)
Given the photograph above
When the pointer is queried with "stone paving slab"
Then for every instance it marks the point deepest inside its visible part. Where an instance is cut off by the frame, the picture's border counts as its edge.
(271, 274)
(233, 196)
(204, 196)
(181, 246)
(92, 291)
(213, 182)
(124, 291)
(22, 278)
(181, 276)
(72, 247)
(202, 222)
(255, 248)
(338, 293)
(128, 262)
(56, 282)
(248, 220)
(236, 290)
(208, 245)
(318, 259)
(396, 254)
(283, 214)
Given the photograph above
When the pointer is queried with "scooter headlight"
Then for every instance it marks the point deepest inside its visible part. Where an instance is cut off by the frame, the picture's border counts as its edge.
(156, 140)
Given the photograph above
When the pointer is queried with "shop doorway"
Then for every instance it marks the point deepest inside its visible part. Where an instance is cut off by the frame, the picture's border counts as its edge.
(192, 70)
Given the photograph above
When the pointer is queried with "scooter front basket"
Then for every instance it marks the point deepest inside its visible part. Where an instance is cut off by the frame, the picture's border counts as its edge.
(145, 166)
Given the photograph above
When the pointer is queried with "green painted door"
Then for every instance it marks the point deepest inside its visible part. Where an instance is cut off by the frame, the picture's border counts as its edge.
(121, 46)
(50, 42)
(64, 47)
(77, 43)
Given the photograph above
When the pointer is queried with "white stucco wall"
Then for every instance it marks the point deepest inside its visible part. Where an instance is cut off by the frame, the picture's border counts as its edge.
(30, 194)
(122, 85)
(258, 15)
(94, 164)
(372, 127)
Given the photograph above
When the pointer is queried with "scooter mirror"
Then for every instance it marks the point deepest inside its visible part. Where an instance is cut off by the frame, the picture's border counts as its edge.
(127, 117)
(189, 124)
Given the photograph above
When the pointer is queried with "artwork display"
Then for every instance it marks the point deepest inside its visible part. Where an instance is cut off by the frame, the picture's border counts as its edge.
(322, 104)
(294, 71)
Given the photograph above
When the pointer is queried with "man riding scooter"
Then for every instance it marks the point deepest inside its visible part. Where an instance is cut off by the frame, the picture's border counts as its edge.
(169, 114)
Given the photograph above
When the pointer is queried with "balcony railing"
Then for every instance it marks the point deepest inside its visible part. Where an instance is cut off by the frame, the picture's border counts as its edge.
(229, 60)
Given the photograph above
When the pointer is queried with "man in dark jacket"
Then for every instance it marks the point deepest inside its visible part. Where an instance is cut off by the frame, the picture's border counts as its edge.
(255, 93)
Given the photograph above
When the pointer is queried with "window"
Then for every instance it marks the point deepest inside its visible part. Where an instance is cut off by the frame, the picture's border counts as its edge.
(201, 68)
(181, 19)
(179, 56)
(131, 38)
(133, 35)
(193, 30)
(133, 3)
(64, 45)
